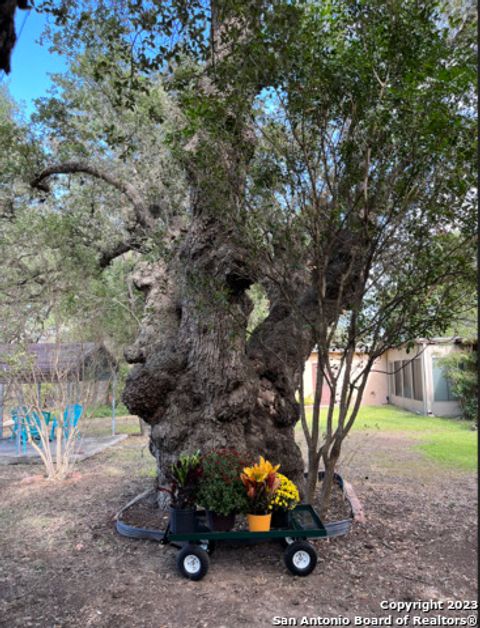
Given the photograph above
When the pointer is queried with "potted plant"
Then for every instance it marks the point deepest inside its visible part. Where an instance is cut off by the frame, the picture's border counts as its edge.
(221, 491)
(261, 484)
(284, 500)
(184, 478)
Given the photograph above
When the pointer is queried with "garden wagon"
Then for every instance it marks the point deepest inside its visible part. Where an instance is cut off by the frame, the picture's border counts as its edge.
(196, 547)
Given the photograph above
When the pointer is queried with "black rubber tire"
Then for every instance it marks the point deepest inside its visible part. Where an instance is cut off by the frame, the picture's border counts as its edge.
(308, 556)
(193, 562)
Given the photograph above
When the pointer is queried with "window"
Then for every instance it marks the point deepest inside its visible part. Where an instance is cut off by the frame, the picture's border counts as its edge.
(417, 379)
(441, 385)
(391, 378)
(407, 378)
(397, 370)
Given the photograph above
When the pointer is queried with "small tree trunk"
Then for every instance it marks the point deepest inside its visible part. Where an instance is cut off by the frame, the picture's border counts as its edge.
(330, 463)
(312, 479)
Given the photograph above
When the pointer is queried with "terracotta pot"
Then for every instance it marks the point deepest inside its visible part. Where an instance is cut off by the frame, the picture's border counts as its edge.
(259, 523)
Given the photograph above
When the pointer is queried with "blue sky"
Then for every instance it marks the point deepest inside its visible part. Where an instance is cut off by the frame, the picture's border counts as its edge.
(31, 62)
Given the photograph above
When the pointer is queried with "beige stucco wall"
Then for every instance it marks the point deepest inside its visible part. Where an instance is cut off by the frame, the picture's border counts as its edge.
(376, 390)
(308, 375)
(380, 390)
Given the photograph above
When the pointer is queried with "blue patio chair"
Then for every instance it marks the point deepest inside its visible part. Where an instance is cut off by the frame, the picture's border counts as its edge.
(18, 417)
(71, 416)
(28, 424)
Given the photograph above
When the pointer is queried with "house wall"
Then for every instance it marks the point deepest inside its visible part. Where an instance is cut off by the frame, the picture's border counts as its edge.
(441, 408)
(413, 405)
(376, 390)
(428, 406)
(308, 375)
(380, 386)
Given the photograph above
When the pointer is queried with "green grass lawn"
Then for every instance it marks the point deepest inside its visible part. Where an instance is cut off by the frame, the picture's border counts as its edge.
(106, 410)
(450, 442)
(102, 426)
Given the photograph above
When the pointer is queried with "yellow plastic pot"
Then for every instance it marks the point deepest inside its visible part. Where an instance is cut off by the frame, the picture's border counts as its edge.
(259, 523)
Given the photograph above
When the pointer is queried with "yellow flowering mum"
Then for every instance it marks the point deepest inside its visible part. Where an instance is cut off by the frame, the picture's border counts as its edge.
(287, 496)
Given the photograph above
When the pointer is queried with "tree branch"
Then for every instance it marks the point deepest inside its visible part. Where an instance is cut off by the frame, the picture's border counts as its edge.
(106, 256)
(71, 167)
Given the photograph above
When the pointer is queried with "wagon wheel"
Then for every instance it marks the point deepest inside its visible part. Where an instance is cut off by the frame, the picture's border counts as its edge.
(300, 558)
(193, 562)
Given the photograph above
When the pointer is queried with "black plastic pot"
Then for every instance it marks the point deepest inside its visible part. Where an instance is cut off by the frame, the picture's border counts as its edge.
(182, 520)
(220, 523)
(281, 519)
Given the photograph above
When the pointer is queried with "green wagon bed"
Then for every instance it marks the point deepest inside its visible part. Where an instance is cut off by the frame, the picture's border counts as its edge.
(196, 546)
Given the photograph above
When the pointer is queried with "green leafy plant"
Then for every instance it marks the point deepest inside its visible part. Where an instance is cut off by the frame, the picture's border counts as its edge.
(221, 489)
(184, 476)
(461, 371)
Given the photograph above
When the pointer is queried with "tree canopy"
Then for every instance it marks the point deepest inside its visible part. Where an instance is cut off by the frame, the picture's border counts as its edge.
(318, 155)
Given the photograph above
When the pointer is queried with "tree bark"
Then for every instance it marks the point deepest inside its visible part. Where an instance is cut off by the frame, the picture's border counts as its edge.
(8, 36)
(330, 463)
(196, 379)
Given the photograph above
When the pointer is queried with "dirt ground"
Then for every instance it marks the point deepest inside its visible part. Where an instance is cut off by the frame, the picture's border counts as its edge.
(63, 564)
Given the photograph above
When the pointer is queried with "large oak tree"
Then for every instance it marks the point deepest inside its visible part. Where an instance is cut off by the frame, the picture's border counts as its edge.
(301, 134)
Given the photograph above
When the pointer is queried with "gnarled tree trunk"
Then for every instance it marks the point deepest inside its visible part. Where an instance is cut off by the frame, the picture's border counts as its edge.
(197, 379)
